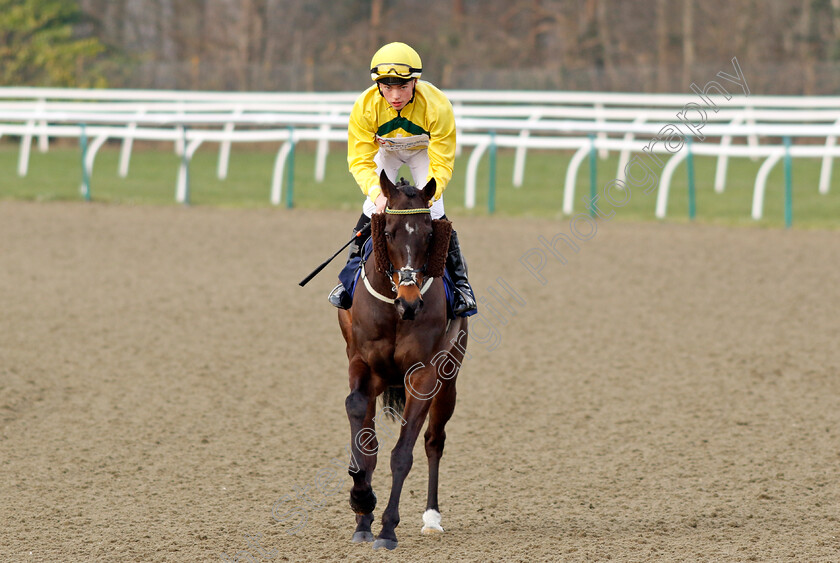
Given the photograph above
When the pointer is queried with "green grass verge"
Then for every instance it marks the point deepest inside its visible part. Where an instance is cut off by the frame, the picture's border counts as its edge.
(56, 175)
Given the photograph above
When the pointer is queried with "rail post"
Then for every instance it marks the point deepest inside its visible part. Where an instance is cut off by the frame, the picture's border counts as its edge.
(290, 170)
(83, 143)
(593, 177)
(491, 192)
(185, 162)
(788, 185)
(692, 201)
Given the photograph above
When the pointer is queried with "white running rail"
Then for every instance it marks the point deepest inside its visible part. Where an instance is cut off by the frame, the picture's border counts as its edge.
(629, 123)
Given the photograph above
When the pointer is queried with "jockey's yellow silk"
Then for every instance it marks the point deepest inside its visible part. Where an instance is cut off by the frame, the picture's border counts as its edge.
(426, 123)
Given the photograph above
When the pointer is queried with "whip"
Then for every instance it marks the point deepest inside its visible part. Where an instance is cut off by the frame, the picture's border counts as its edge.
(317, 270)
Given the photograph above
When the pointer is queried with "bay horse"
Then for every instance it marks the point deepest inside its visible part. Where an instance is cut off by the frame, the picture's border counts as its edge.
(401, 343)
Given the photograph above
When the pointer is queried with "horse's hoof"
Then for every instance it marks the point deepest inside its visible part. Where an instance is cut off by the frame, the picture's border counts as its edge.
(431, 523)
(387, 544)
(362, 537)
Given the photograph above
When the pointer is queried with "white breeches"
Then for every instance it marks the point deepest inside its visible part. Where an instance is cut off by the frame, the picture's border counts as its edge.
(417, 161)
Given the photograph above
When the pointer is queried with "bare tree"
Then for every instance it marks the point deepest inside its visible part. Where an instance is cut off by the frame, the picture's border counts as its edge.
(605, 37)
(661, 45)
(576, 44)
(375, 23)
(688, 40)
(805, 48)
(835, 28)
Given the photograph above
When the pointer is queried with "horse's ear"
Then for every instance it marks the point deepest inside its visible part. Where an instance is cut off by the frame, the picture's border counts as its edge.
(386, 184)
(429, 190)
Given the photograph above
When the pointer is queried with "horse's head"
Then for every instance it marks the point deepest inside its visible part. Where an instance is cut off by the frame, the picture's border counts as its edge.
(409, 247)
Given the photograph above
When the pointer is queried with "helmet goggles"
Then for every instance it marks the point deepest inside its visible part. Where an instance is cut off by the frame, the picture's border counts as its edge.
(397, 70)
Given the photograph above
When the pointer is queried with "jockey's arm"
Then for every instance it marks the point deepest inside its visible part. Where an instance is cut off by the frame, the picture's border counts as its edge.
(361, 148)
(441, 146)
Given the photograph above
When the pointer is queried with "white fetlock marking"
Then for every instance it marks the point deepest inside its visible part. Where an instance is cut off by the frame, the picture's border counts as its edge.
(431, 522)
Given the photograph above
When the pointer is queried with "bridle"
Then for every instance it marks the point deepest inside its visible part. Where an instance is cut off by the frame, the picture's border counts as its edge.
(407, 276)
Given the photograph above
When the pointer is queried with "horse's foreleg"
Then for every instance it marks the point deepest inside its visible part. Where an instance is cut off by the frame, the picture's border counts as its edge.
(443, 404)
(401, 460)
(439, 414)
(360, 405)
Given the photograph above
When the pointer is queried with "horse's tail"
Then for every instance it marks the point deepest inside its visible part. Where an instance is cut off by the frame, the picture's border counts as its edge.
(394, 398)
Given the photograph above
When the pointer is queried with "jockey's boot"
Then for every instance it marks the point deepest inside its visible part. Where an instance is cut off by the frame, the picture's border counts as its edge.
(457, 268)
(339, 297)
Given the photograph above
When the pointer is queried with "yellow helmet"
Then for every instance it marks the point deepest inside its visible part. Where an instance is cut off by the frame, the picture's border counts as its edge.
(395, 62)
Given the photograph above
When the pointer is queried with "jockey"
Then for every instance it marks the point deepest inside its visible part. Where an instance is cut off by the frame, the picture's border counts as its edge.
(402, 120)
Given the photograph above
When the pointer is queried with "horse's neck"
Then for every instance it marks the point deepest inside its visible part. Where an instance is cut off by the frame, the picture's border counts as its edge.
(385, 323)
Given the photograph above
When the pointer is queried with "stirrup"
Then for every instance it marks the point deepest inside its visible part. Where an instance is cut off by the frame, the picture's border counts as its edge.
(339, 298)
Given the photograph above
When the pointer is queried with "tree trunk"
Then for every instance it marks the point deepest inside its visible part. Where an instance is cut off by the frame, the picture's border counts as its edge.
(605, 38)
(375, 23)
(166, 34)
(805, 60)
(112, 18)
(834, 51)
(744, 31)
(257, 45)
(662, 46)
(688, 41)
(243, 44)
(272, 15)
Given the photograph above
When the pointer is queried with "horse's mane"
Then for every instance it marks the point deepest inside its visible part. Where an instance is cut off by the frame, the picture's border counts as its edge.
(407, 189)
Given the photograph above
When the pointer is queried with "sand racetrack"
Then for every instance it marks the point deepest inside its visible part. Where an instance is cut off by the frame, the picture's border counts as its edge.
(672, 393)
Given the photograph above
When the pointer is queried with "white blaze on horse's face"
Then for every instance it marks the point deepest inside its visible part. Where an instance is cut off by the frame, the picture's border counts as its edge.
(407, 253)
(410, 230)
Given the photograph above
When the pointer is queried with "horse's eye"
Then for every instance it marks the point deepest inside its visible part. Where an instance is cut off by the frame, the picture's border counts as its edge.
(387, 234)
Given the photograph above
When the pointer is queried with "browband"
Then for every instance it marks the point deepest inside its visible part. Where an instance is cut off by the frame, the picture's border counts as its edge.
(415, 211)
